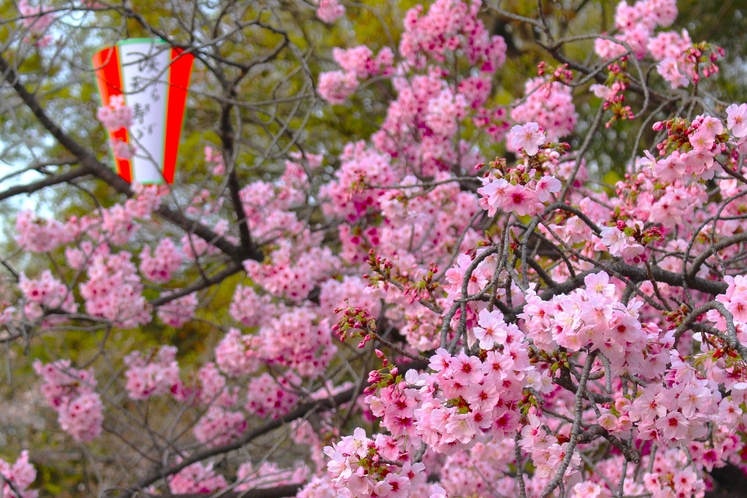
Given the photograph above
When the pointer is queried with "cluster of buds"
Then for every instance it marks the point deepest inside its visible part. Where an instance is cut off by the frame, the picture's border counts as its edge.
(677, 135)
(679, 131)
(561, 73)
(383, 377)
(522, 173)
(703, 56)
(385, 273)
(360, 184)
(556, 359)
(423, 288)
(620, 111)
(642, 235)
(355, 321)
(616, 83)
(652, 234)
(612, 91)
(732, 359)
(678, 315)
(618, 74)
(382, 270)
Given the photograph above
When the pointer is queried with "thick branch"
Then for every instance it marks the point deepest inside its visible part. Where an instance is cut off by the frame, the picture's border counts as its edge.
(227, 136)
(710, 251)
(566, 382)
(274, 492)
(42, 184)
(637, 274)
(202, 284)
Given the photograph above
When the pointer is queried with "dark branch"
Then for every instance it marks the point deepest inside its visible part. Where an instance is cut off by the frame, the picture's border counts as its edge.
(637, 274)
(202, 284)
(227, 136)
(42, 184)
(274, 492)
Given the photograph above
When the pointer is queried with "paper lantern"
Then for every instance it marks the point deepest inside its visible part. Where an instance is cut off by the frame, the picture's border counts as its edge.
(153, 77)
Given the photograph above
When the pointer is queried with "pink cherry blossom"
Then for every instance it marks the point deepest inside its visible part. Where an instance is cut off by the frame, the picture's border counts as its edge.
(737, 119)
(330, 10)
(21, 475)
(528, 137)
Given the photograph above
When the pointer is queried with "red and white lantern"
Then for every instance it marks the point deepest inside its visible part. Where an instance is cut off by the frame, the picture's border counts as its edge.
(153, 77)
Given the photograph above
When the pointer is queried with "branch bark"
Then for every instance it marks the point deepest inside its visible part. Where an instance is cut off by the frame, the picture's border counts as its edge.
(30, 188)
(274, 492)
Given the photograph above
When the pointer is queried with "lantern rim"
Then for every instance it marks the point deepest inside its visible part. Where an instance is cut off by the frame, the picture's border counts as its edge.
(129, 41)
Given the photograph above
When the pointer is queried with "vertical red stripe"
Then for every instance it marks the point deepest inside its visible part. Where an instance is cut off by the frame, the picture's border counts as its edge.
(179, 75)
(106, 64)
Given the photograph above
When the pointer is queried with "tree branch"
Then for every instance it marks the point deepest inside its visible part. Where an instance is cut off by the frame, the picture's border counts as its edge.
(202, 284)
(42, 184)
(274, 492)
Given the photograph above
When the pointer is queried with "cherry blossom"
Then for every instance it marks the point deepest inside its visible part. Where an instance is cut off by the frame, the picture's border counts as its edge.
(115, 115)
(21, 474)
(528, 138)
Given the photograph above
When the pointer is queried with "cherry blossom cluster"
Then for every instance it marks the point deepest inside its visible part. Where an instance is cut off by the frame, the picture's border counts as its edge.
(212, 388)
(271, 397)
(549, 104)
(39, 234)
(357, 64)
(179, 311)
(329, 10)
(154, 375)
(450, 25)
(194, 247)
(237, 355)
(219, 426)
(115, 225)
(45, 293)
(672, 476)
(636, 24)
(690, 148)
(522, 190)
(115, 115)
(427, 104)
(122, 149)
(679, 60)
(298, 340)
(203, 479)
(71, 393)
(114, 290)
(215, 158)
(360, 466)
(21, 474)
(197, 478)
(37, 22)
(160, 266)
(248, 307)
